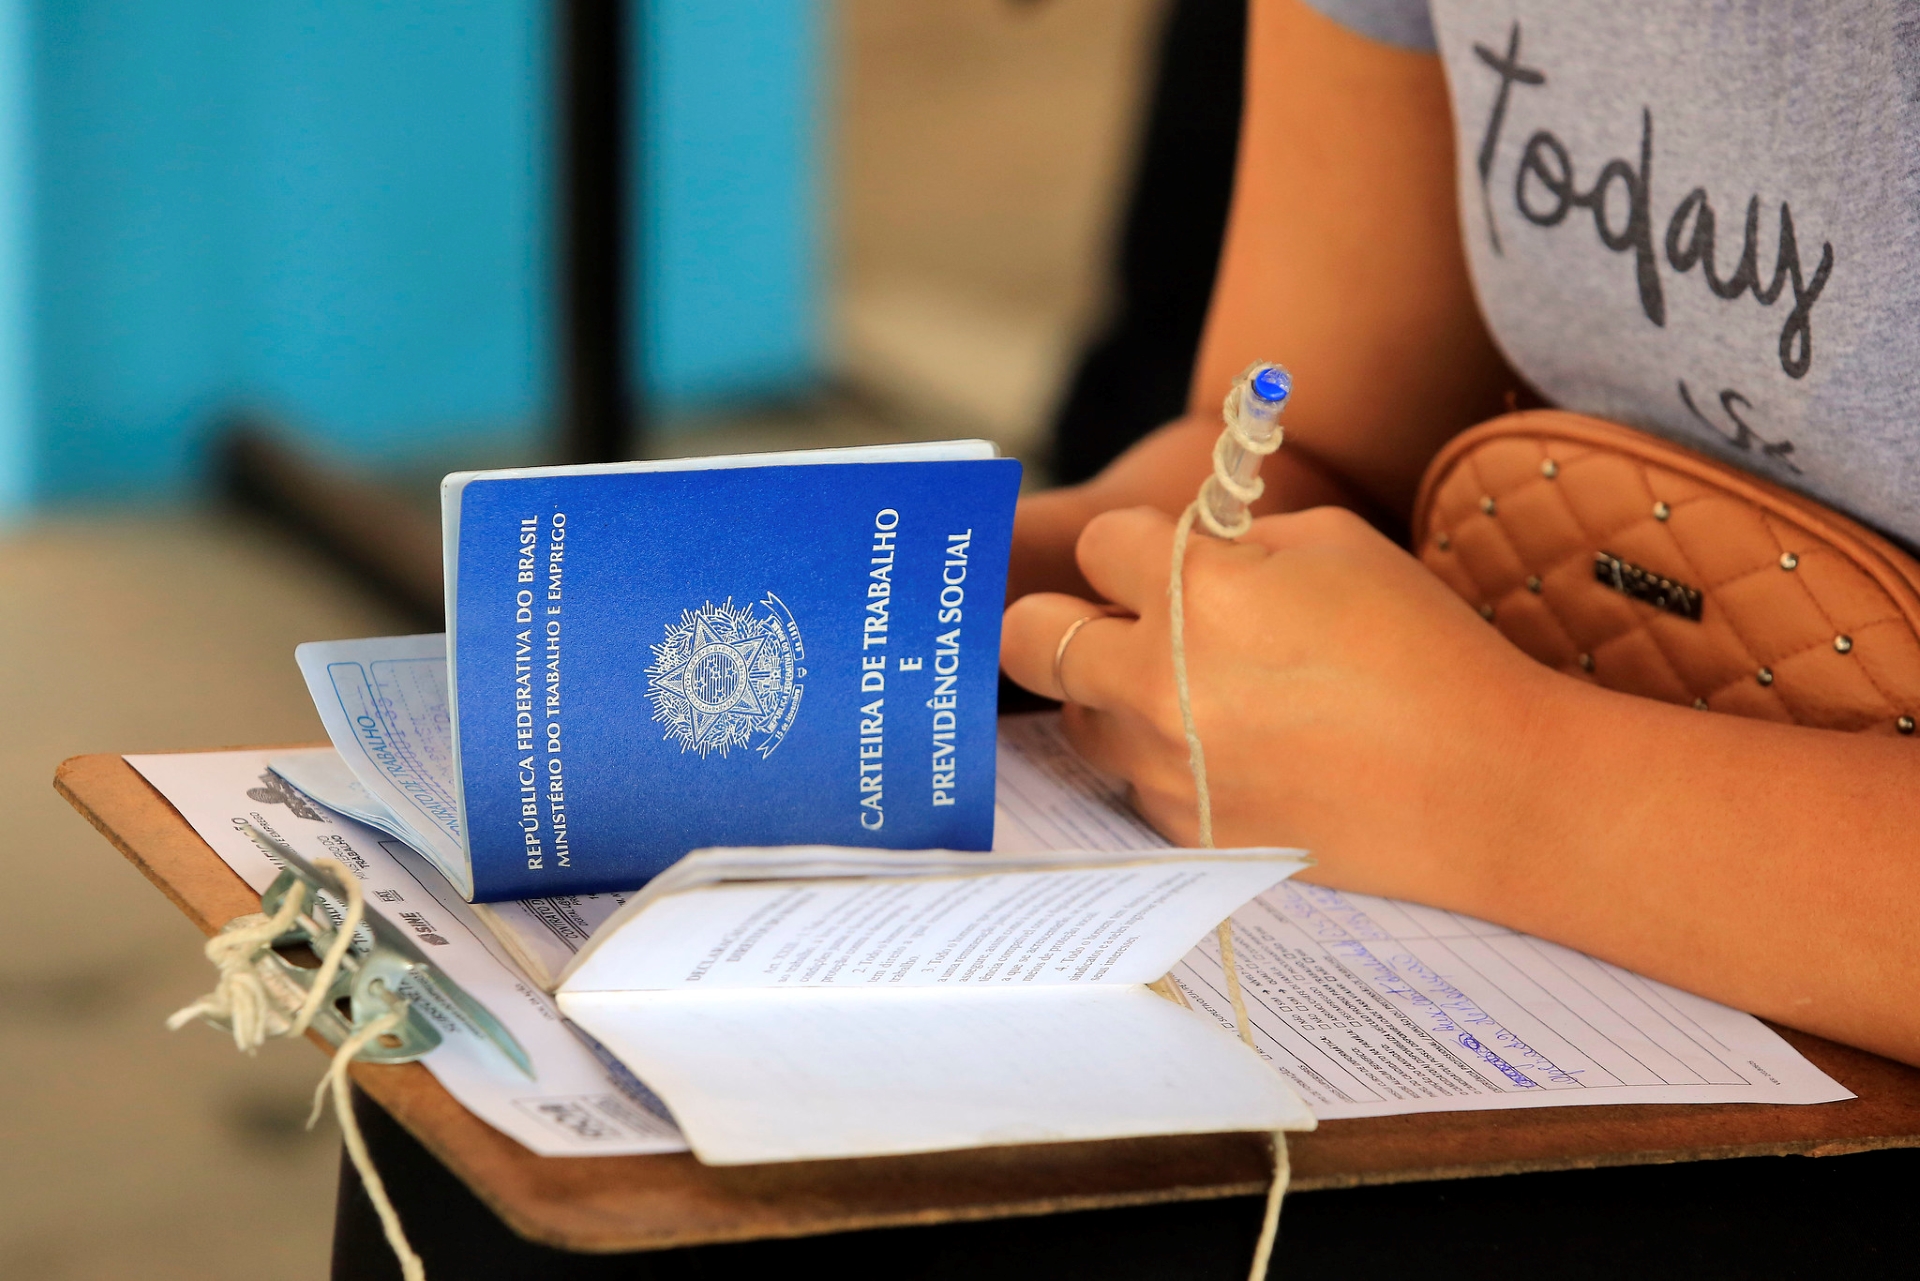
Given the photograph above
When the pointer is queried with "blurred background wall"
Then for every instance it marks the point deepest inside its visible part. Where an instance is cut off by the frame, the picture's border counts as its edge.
(983, 145)
(729, 196)
(338, 212)
(854, 220)
(344, 217)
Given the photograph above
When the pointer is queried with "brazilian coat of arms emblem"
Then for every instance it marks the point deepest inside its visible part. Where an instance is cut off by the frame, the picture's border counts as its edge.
(727, 675)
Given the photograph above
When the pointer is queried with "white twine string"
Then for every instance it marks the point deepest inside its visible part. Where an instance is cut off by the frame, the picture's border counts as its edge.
(1243, 495)
(411, 1267)
(240, 997)
(255, 1001)
(1270, 1219)
(1222, 481)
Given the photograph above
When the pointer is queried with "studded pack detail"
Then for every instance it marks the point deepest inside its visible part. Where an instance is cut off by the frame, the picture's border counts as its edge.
(1627, 561)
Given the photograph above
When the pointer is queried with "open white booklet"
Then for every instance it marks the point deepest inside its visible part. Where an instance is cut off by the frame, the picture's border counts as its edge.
(800, 1003)
(805, 1003)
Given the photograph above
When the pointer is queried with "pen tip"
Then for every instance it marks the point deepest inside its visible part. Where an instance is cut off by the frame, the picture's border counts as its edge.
(1272, 384)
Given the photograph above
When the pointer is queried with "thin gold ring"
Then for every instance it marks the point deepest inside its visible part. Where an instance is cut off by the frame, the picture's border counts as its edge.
(1060, 652)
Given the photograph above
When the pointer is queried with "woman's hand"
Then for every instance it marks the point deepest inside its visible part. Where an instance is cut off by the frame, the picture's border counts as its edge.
(1162, 471)
(1350, 704)
(1347, 701)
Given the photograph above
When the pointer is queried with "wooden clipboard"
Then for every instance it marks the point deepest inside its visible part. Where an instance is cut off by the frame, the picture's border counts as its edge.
(603, 1204)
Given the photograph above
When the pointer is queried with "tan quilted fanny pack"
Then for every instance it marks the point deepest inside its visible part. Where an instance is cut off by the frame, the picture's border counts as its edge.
(1625, 560)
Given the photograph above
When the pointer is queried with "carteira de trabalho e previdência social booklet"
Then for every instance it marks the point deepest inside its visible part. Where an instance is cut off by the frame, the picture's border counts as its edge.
(643, 659)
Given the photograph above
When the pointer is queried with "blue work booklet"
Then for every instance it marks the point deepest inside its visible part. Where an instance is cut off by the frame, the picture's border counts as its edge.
(644, 659)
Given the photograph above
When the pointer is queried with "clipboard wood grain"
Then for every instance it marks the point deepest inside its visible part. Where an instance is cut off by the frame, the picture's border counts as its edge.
(607, 1204)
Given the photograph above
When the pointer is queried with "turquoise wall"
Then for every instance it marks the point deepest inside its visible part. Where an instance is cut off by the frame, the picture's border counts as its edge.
(343, 214)
(335, 212)
(16, 403)
(729, 198)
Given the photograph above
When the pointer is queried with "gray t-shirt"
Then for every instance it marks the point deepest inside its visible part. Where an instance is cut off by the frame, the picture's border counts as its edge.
(1699, 217)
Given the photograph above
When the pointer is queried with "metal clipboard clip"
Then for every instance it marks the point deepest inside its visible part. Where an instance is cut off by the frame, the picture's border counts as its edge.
(382, 970)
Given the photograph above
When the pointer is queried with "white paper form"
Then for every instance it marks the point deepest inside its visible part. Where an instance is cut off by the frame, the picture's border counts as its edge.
(1046, 797)
(573, 1106)
(1049, 798)
(1372, 1007)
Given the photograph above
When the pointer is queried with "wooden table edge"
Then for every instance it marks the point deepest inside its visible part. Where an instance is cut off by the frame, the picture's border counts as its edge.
(495, 1167)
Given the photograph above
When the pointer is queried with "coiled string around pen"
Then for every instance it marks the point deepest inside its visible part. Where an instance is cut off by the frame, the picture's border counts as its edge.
(1203, 509)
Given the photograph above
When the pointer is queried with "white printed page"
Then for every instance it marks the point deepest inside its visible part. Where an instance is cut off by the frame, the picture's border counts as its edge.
(386, 706)
(1371, 1007)
(816, 1074)
(545, 934)
(1047, 798)
(1060, 927)
(572, 1107)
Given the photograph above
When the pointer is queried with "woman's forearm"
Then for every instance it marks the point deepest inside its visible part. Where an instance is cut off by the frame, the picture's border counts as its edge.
(1352, 705)
(1771, 867)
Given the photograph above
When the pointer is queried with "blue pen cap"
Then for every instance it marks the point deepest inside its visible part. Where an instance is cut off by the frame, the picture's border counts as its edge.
(1271, 384)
